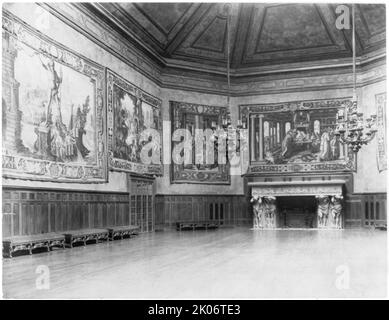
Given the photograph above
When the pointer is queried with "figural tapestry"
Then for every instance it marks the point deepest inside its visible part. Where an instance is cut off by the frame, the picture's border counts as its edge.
(192, 117)
(134, 121)
(298, 136)
(53, 109)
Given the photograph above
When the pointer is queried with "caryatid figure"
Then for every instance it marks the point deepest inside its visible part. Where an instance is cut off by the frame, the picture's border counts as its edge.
(336, 210)
(322, 209)
(257, 202)
(270, 211)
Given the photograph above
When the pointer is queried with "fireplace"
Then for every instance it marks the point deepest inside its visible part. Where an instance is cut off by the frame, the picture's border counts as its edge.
(299, 201)
(296, 212)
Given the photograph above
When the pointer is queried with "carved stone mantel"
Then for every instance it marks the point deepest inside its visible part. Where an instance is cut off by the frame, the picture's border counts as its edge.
(331, 189)
(296, 188)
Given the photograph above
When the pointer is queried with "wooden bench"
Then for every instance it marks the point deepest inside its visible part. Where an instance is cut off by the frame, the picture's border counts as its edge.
(85, 235)
(196, 225)
(31, 242)
(122, 231)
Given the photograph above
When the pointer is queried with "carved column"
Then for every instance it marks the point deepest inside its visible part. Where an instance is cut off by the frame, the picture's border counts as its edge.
(11, 115)
(252, 137)
(260, 142)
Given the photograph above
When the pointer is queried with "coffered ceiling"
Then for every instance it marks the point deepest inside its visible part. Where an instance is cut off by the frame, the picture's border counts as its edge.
(195, 34)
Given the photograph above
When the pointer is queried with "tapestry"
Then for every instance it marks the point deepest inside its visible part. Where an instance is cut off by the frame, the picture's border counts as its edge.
(192, 116)
(134, 116)
(296, 136)
(380, 101)
(53, 109)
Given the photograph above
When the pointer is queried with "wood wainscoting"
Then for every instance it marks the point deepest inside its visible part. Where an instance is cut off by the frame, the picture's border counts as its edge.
(34, 211)
(228, 210)
(365, 210)
(361, 210)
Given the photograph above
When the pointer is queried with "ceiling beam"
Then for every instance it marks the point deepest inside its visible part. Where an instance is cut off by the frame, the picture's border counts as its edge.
(198, 15)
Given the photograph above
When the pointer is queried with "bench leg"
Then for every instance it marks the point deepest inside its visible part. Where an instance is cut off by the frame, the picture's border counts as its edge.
(69, 243)
(7, 250)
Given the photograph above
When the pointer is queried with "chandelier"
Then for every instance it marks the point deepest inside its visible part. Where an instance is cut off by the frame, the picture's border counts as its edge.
(226, 116)
(220, 131)
(350, 126)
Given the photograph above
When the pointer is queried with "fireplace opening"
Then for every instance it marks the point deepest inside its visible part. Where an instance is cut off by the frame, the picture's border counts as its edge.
(296, 212)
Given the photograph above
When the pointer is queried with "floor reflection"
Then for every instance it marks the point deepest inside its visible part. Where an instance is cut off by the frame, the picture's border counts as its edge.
(225, 263)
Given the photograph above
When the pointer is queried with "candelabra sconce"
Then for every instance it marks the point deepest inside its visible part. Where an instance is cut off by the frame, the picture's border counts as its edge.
(221, 131)
(226, 125)
(352, 129)
(240, 125)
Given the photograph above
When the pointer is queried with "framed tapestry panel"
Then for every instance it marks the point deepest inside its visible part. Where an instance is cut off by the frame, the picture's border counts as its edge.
(192, 116)
(131, 111)
(296, 136)
(53, 109)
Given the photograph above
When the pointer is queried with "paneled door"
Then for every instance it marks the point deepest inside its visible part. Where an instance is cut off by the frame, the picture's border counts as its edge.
(142, 202)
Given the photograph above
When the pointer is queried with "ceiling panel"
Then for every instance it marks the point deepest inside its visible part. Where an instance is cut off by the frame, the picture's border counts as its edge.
(287, 27)
(261, 34)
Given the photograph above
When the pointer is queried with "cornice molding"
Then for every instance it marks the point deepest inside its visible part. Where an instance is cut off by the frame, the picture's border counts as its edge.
(280, 84)
(105, 37)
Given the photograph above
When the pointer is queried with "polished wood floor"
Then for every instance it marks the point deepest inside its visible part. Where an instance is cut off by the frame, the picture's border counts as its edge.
(227, 263)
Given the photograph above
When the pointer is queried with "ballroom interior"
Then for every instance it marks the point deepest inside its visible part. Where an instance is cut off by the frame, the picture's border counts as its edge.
(100, 198)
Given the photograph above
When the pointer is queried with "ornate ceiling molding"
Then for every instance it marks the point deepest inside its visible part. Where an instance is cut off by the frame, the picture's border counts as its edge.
(333, 79)
(106, 37)
(196, 76)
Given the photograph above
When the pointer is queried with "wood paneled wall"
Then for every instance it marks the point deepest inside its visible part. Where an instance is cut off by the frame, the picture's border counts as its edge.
(30, 211)
(227, 209)
(33, 211)
(364, 210)
(361, 210)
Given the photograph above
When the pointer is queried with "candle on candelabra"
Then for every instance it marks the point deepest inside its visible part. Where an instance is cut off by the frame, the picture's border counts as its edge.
(373, 123)
(360, 124)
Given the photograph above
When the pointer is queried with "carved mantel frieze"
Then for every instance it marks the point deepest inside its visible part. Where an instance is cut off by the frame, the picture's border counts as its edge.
(297, 188)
